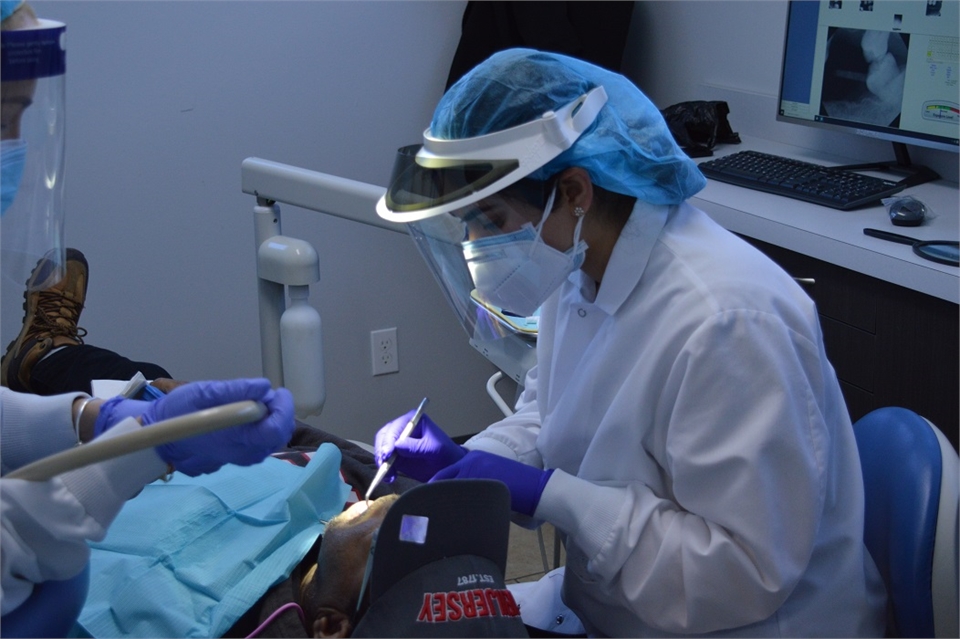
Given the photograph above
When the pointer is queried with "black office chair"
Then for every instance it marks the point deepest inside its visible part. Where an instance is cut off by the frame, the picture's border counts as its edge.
(911, 520)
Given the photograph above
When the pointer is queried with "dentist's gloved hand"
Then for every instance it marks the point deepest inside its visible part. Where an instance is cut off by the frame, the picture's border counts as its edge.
(244, 445)
(421, 454)
(526, 483)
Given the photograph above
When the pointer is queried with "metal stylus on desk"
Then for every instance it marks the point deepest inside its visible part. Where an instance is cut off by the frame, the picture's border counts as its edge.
(388, 463)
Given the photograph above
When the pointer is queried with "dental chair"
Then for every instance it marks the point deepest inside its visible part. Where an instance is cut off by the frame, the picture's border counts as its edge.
(910, 474)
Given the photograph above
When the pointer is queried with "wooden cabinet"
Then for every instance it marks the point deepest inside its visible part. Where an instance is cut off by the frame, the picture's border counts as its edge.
(890, 345)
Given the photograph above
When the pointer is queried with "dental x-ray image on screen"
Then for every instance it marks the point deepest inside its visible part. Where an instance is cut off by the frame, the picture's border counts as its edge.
(886, 70)
(864, 75)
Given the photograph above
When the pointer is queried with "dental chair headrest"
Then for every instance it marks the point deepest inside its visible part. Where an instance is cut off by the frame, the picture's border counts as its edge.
(438, 565)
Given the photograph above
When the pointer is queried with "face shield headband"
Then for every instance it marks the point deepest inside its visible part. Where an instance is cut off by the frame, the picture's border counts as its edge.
(444, 175)
(32, 74)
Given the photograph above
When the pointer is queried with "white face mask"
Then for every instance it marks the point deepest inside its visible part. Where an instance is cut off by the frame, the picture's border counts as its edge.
(518, 271)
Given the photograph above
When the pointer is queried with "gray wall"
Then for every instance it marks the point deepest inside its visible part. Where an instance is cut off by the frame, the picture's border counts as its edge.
(165, 99)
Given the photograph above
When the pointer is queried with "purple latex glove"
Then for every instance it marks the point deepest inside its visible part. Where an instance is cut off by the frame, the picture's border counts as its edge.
(421, 454)
(113, 411)
(526, 483)
(244, 445)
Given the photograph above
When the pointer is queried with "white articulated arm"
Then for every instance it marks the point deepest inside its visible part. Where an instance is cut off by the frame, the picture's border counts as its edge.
(290, 338)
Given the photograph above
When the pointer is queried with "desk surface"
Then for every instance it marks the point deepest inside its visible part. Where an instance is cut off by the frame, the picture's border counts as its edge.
(837, 236)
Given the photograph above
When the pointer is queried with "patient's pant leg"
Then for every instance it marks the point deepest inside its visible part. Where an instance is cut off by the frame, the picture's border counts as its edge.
(72, 368)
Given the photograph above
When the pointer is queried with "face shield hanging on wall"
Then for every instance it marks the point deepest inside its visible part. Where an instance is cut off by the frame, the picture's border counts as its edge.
(33, 96)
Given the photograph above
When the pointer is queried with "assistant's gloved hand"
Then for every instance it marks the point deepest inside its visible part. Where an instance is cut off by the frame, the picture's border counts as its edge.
(243, 445)
(115, 410)
(526, 483)
(421, 454)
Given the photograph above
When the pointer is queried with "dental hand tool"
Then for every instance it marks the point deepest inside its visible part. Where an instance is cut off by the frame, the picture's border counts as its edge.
(388, 463)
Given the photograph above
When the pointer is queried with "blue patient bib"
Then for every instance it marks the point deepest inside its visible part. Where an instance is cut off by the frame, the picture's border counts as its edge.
(188, 557)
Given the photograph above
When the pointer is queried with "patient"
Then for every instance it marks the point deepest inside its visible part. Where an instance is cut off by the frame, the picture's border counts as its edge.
(330, 590)
(50, 357)
(448, 583)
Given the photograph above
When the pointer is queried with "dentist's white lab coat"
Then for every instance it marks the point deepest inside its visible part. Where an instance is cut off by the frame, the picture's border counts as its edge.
(45, 525)
(707, 479)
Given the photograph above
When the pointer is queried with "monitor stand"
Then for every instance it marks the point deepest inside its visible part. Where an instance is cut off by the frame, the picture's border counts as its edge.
(915, 173)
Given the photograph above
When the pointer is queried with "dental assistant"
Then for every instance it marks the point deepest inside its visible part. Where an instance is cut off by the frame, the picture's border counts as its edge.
(683, 428)
(46, 524)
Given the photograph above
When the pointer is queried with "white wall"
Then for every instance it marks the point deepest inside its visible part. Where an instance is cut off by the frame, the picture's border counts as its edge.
(676, 46)
(165, 99)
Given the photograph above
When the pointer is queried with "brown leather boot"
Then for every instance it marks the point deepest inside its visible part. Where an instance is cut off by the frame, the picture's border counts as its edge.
(49, 321)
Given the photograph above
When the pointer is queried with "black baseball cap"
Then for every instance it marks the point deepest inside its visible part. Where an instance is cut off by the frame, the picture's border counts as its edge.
(438, 565)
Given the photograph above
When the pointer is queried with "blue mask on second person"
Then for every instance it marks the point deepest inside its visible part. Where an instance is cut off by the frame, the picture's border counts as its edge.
(13, 155)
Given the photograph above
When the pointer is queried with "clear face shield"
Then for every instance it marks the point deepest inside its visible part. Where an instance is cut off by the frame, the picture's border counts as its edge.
(477, 221)
(458, 245)
(32, 79)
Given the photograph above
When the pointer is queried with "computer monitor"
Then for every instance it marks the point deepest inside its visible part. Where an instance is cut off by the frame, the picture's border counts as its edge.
(885, 69)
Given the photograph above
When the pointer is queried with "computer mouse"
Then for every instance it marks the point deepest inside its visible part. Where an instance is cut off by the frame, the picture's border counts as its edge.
(907, 212)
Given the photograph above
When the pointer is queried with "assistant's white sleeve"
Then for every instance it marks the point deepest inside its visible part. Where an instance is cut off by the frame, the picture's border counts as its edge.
(745, 444)
(45, 525)
(33, 427)
(515, 437)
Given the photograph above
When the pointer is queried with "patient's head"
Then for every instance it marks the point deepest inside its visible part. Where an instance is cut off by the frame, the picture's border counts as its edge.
(330, 591)
(441, 549)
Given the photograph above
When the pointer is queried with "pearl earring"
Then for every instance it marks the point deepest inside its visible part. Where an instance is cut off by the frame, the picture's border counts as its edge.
(578, 211)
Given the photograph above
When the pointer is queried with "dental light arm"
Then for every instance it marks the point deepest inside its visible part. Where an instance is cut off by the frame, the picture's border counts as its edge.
(290, 338)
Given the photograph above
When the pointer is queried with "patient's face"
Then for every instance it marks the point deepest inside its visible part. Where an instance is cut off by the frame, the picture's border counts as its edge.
(330, 591)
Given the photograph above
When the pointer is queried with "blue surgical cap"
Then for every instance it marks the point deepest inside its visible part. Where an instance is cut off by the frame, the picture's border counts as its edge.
(628, 149)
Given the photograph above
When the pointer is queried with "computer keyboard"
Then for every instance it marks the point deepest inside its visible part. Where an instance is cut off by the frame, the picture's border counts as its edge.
(827, 186)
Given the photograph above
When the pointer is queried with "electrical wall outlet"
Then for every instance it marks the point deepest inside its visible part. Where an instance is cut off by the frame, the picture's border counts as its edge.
(383, 350)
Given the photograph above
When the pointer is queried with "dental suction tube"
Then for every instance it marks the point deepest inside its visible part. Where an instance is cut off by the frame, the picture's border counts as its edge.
(163, 432)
